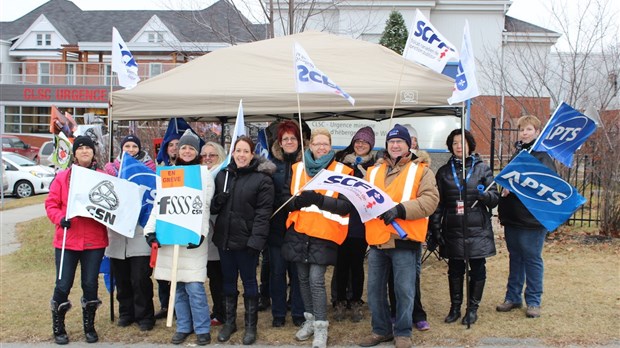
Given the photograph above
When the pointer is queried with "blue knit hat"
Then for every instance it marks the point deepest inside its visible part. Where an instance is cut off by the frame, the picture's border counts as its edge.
(399, 132)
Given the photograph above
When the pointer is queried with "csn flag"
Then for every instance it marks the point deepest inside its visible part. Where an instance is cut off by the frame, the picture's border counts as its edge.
(465, 84)
(109, 200)
(308, 78)
(123, 63)
(179, 204)
(135, 171)
(368, 200)
(549, 198)
(425, 45)
(566, 130)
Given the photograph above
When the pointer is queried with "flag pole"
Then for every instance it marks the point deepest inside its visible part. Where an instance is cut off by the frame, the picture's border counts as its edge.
(301, 134)
(400, 77)
(62, 252)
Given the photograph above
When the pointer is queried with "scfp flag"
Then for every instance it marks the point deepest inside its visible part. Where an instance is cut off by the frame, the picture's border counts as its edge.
(308, 78)
(138, 173)
(123, 63)
(566, 130)
(549, 198)
(465, 84)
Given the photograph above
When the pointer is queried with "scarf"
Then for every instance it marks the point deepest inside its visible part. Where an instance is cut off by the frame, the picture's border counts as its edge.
(314, 166)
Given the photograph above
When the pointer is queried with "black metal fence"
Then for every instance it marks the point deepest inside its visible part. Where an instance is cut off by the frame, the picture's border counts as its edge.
(582, 175)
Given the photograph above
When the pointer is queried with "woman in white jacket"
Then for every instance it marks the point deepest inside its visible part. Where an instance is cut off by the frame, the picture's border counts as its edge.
(191, 306)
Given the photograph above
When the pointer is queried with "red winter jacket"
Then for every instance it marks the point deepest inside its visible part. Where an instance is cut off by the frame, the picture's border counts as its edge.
(84, 233)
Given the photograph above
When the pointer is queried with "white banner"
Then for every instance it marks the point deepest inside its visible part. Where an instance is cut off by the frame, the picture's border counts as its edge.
(113, 202)
(123, 63)
(308, 78)
(368, 200)
(425, 45)
(465, 84)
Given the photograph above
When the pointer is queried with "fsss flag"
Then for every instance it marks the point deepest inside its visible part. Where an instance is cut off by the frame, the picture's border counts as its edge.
(549, 198)
(369, 201)
(565, 132)
(465, 83)
(138, 173)
(179, 204)
(308, 77)
(426, 45)
(123, 63)
(109, 200)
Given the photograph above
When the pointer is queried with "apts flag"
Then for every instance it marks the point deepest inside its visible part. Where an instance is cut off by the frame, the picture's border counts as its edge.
(262, 149)
(138, 173)
(566, 130)
(549, 198)
(109, 200)
(180, 204)
(308, 78)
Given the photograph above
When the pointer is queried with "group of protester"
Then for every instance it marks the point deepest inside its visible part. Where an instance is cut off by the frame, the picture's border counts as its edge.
(256, 205)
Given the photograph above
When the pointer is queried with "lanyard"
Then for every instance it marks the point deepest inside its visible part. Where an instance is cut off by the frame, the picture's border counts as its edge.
(469, 172)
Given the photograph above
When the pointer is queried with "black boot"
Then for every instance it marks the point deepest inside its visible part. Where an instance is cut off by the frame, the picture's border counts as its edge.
(88, 318)
(475, 295)
(251, 319)
(58, 321)
(456, 299)
(230, 323)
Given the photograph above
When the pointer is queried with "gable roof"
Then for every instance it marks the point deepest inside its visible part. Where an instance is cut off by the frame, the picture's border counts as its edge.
(514, 25)
(219, 23)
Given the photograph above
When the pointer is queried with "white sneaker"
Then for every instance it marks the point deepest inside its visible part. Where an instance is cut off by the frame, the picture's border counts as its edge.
(320, 334)
(307, 328)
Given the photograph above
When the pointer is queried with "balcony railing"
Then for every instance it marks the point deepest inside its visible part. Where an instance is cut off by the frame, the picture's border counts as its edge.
(72, 73)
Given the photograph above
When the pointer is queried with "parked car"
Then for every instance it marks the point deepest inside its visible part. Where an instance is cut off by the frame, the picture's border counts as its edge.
(11, 143)
(45, 152)
(25, 177)
(5, 181)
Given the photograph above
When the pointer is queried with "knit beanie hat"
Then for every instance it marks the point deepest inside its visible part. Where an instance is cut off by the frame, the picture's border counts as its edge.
(83, 140)
(133, 139)
(366, 134)
(191, 139)
(399, 132)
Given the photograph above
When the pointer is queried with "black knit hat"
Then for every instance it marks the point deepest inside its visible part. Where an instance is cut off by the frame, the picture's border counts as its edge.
(399, 132)
(133, 139)
(83, 140)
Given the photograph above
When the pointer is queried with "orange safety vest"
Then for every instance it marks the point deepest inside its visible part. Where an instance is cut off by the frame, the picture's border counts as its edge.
(403, 188)
(311, 220)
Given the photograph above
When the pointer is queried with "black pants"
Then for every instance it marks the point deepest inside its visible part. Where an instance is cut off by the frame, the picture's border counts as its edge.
(477, 269)
(350, 262)
(134, 288)
(214, 272)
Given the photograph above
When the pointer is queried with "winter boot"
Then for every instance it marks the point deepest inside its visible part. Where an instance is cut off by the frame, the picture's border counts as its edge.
(456, 299)
(475, 295)
(251, 319)
(357, 311)
(320, 334)
(58, 321)
(340, 311)
(230, 322)
(88, 318)
(307, 328)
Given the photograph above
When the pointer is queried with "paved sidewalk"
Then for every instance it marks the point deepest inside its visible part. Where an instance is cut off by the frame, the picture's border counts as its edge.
(8, 220)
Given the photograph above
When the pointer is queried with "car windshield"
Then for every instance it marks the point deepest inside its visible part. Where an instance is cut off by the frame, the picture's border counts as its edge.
(18, 159)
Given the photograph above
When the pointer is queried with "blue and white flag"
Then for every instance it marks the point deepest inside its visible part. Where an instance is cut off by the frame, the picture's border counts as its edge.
(123, 63)
(566, 130)
(549, 198)
(179, 204)
(176, 127)
(238, 131)
(308, 78)
(262, 147)
(138, 173)
(465, 83)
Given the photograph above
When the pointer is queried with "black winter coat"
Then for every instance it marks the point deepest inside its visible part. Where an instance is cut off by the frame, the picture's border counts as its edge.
(510, 210)
(243, 219)
(299, 247)
(445, 221)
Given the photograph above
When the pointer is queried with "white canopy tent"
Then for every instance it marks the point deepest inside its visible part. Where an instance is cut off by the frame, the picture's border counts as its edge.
(262, 73)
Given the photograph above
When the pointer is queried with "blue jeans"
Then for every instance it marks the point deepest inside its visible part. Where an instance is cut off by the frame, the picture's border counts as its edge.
(403, 263)
(526, 264)
(89, 260)
(192, 308)
(312, 286)
(237, 263)
(278, 285)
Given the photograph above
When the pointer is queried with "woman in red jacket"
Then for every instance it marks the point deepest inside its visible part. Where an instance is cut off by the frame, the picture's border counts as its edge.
(85, 243)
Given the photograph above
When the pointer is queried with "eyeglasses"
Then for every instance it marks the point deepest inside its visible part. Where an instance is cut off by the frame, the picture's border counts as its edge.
(321, 145)
(210, 155)
(287, 140)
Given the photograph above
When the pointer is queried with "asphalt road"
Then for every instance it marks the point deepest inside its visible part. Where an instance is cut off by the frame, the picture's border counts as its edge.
(8, 220)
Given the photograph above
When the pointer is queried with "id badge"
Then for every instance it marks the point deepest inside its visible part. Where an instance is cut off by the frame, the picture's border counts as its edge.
(460, 207)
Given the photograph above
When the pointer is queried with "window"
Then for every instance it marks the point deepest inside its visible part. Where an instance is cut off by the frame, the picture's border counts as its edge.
(44, 39)
(155, 37)
(108, 74)
(70, 73)
(44, 73)
(155, 69)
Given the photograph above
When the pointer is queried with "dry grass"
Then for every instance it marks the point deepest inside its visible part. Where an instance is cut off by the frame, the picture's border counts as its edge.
(22, 202)
(581, 305)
